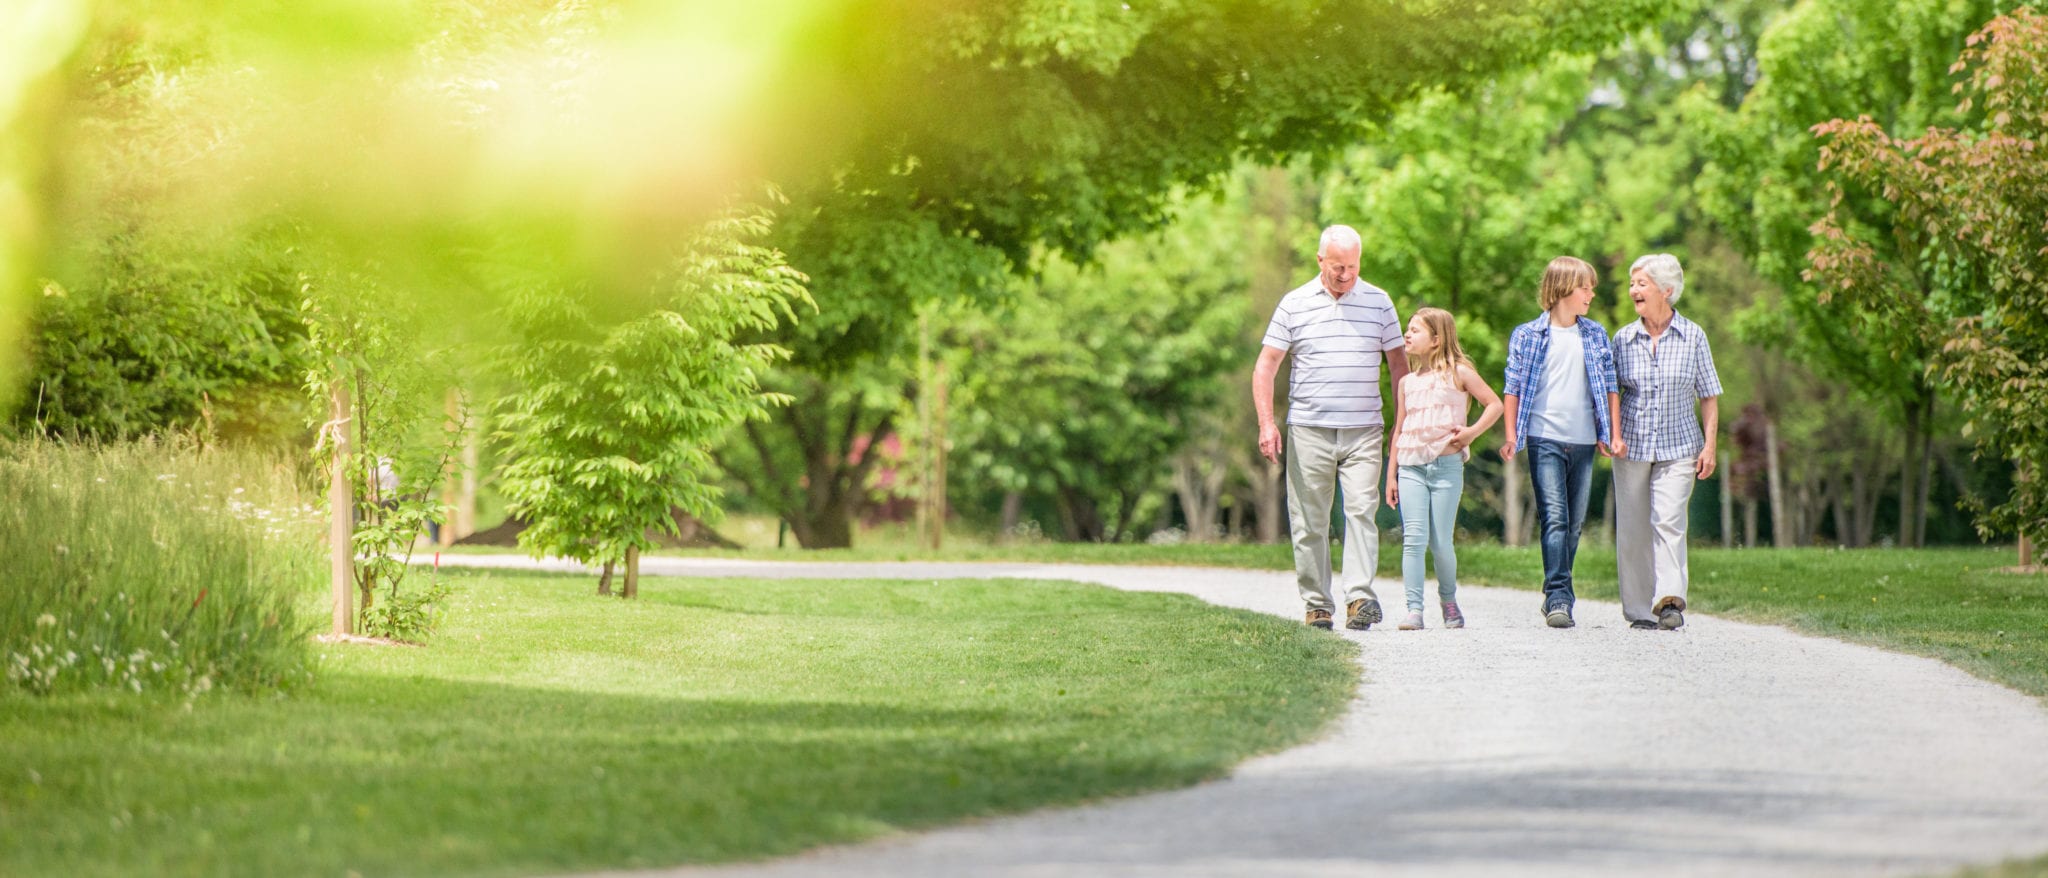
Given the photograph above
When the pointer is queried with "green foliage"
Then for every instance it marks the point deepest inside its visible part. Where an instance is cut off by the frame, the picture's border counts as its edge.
(608, 428)
(408, 616)
(150, 331)
(1970, 203)
(988, 133)
(153, 567)
(1084, 386)
(1821, 60)
(766, 720)
(368, 341)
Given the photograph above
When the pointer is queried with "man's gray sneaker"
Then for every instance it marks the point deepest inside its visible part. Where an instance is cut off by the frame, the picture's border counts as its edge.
(1670, 617)
(1643, 625)
(1360, 614)
(1558, 618)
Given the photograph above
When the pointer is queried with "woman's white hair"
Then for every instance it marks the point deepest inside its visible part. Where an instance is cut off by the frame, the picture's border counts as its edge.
(1339, 236)
(1664, 271)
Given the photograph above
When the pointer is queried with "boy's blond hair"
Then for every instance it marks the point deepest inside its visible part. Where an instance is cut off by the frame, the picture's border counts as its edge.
(1564, 274)
(1448, 355)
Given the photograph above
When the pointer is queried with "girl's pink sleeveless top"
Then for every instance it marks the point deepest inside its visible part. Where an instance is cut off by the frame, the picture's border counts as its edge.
(1433, 411)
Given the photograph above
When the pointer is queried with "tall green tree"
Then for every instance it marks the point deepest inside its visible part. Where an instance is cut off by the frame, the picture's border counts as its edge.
(1081, 390)
(1829, 59)
(1009, 127)
(609, 428)
(1971, 207)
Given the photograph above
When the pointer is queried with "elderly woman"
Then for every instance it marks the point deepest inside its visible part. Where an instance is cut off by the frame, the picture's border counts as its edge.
(1665, 368)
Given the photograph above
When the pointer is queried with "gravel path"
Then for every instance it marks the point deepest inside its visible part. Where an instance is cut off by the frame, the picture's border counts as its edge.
(1720, 749)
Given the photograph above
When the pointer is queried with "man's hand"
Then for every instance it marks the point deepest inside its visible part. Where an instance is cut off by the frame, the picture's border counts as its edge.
(1618, 448)
(1269, 442)
(1704, 466)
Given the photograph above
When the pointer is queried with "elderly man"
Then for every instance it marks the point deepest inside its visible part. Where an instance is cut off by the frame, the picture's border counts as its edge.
(1338, 328)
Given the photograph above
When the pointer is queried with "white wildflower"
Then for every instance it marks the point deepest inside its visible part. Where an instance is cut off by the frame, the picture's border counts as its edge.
(45, 620)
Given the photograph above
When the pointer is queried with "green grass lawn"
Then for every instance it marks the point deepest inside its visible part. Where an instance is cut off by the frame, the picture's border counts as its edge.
(548, 729)
(1952, 604)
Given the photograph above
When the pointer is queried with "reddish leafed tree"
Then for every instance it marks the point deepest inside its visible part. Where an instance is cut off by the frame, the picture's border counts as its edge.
(1974, 199)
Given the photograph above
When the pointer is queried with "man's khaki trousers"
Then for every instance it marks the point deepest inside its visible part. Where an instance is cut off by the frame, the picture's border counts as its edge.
(1318, 460)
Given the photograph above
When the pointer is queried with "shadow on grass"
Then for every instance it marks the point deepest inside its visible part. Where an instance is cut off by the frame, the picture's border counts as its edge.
(382, 776)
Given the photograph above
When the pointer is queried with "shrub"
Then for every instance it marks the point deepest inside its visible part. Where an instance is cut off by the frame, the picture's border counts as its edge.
(153, 566)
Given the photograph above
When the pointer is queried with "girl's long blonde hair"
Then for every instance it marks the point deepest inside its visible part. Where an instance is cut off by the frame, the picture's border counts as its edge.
(1447, 355)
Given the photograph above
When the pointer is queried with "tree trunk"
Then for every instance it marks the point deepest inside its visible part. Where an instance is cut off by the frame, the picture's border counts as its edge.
(1926, 475)
(1271, 484)
(1607, 517)
(1781, 518)
(2026, 552)
(1840, 506)
(604, 582)
(1200, 489)
(1013, 509)
(341, 511)
(1511, 507)
(1804, 506)
(1079, 518)
(1863, 503)
(1749, 524)
(632, 572)
(1126, 505)
(1908, 468)
(1727, 507)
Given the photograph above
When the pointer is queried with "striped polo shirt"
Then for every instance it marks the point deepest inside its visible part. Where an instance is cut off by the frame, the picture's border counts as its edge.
(1337, 346)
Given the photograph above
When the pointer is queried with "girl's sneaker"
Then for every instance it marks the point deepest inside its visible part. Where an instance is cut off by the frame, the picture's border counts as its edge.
(1413, 622)
(1452, 618)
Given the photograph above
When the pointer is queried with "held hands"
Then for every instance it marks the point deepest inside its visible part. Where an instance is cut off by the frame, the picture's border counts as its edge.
(1269, 442)
(1460, 440)
(1619, 448)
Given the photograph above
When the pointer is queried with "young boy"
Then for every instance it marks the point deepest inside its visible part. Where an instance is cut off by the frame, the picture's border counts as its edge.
(1561, 396)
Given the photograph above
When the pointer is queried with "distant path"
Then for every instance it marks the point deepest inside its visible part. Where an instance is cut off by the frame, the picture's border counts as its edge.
(1511, 748)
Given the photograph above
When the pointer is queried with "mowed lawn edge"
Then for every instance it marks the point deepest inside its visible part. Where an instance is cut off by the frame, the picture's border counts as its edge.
(547, 729)
(1958, 605)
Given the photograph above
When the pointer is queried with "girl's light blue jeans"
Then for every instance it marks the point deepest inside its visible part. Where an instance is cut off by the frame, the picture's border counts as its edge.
(1429, 513)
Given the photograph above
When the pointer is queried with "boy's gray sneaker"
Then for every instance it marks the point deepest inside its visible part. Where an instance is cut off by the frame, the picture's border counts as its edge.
(1360, 614)
(1558, 618)
(1670, 617)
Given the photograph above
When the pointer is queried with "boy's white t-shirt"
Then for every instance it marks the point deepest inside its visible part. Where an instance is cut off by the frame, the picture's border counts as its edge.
(1564, 410)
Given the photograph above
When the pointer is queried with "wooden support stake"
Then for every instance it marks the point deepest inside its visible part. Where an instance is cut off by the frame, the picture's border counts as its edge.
(341, 511)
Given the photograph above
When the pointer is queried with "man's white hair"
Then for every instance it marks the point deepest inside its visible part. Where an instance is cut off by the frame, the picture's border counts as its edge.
(1345, 237)
(1664, 271)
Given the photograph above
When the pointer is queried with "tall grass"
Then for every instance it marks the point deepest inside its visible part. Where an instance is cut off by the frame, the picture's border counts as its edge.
(152, 566)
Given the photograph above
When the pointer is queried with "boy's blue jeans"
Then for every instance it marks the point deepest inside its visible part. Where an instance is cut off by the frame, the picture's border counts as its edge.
(1562, 475)
(1429, 512)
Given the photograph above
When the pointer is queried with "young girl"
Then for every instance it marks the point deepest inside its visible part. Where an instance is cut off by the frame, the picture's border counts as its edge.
(1430, 441)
